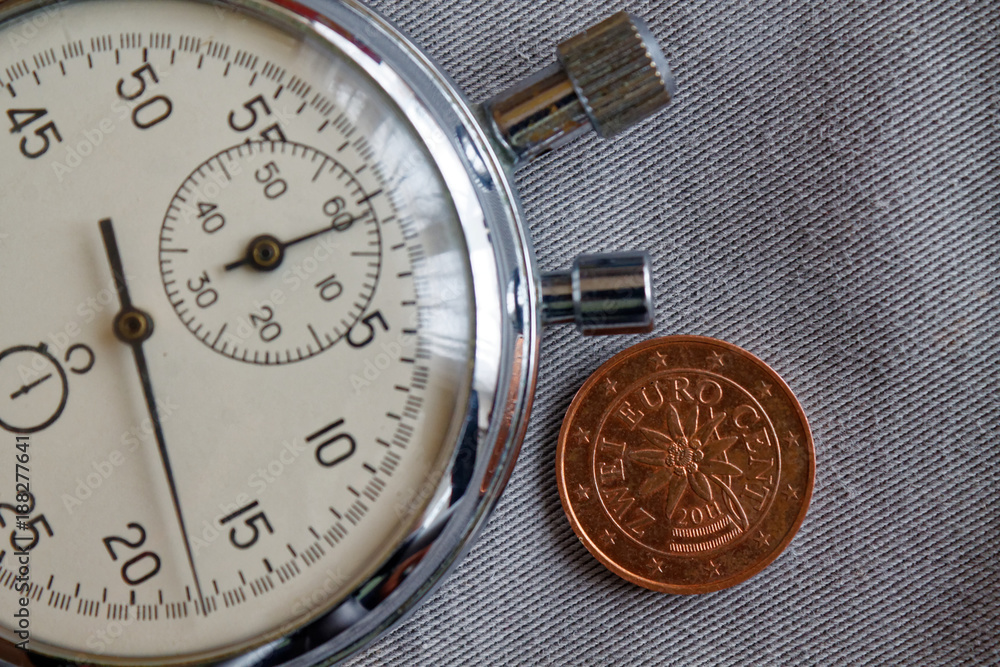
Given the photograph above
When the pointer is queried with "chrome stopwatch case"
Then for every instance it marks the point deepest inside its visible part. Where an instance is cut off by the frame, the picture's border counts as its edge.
(269, 318)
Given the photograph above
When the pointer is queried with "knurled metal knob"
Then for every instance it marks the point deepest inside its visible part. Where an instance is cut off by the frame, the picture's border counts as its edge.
(619, 73)
(608, 78)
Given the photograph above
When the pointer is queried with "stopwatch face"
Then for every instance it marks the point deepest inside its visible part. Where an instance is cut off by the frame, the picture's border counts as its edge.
(289, 234)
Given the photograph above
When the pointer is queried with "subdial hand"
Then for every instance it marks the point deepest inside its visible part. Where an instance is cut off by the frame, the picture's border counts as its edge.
(28, 387)
(266, 253)
(134, 327)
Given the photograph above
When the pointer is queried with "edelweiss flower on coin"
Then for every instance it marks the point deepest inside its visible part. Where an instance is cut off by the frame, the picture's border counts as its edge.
(685, 465)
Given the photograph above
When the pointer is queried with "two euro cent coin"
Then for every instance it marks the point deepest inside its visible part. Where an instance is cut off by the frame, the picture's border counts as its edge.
(685, 465)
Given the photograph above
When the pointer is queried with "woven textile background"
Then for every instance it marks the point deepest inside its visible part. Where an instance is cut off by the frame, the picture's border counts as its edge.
(824, 192)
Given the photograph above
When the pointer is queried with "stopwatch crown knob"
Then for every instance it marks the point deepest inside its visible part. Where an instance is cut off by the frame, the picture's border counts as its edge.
(608, 78)
(619, 72)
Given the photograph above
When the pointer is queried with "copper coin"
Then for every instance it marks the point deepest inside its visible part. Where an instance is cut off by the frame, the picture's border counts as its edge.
(685, 465)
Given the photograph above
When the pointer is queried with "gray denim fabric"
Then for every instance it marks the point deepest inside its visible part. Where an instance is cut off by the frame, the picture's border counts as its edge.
(824, 193)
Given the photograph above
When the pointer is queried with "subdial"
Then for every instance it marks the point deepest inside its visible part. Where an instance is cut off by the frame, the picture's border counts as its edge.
(271, 251)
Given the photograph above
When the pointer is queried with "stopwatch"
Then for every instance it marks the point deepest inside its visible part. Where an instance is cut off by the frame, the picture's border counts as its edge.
(269, 318)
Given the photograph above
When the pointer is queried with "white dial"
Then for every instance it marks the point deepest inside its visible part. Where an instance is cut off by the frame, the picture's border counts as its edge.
(219, 443)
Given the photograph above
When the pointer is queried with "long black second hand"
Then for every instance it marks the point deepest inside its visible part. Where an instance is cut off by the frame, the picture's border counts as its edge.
(135, 334)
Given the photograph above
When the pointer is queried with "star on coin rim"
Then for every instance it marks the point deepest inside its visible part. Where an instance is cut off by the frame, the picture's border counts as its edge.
(596, 381)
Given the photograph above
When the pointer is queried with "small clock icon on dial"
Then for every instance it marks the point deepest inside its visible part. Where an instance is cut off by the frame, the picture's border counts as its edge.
(33, 389)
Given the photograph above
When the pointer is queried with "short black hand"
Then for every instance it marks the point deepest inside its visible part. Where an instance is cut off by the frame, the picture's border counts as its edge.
(28, 387)
(134, 327)
(277, 248)
(309, 237)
